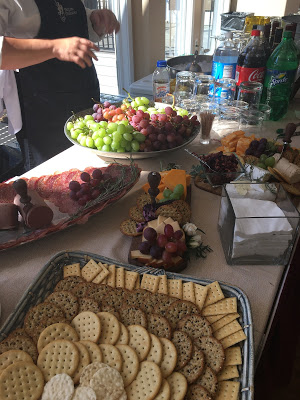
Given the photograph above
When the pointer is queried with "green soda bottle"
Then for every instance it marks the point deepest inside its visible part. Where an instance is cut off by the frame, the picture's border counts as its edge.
(281, 70)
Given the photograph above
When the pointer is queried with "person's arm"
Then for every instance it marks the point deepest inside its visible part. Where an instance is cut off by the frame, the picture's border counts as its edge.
(20, 53)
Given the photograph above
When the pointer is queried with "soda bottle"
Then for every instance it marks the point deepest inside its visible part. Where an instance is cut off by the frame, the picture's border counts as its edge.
(251, 63)
(275, 24)
(264, 37)
(225, 59)
(277, 38)
(281, 70)
(161, 81)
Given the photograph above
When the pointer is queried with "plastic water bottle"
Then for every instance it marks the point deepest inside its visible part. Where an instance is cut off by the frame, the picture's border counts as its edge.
(161, 82)
(281, 71)
(225, 59)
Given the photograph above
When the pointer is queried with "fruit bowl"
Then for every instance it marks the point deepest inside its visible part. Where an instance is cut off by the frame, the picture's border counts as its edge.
(127, 154)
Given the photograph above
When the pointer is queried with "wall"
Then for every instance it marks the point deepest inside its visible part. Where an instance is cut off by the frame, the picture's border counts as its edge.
(148, 33)
(268, 7)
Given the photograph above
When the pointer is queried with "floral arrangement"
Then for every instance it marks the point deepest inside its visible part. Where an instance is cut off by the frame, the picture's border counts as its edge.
(194, 241)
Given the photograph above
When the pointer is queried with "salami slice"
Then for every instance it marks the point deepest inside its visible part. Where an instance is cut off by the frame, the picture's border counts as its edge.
(7, 193)
(32, 182)
(46, 189)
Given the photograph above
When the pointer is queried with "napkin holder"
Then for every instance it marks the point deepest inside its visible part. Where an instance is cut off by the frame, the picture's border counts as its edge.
(251, 237)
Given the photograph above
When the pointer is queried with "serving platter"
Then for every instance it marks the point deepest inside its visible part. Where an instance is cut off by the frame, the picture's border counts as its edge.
(134, 155)
(52, 272)
(66, 212)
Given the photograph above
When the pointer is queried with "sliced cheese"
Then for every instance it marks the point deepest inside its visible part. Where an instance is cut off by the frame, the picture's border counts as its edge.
(138, 254)
(160, 219)
(153, 224)
(175, 177)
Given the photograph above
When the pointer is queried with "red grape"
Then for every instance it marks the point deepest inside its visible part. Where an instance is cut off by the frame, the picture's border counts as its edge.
(150, 234)
(167, 257)
(74, 186)
(171, 247)
(95, 193)
(181, 246)
(85, 188)
(73, 195)
(85, 177)
(178, 235)
(168, 110)
(106, 104)
(82, 201)
(156, 251)
(144, 247)
(144, 123)
(95, 182)
(97, 174)
(96, 106)
(169, 231)
(162, 240)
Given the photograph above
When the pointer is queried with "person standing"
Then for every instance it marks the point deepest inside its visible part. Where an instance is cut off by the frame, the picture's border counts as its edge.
(51, 90)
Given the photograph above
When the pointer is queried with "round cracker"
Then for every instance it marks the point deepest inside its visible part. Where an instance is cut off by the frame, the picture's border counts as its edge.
(139, 340)
(131, 363)
(194, 368)
(57, 331)
(84, 360)
(164, 392)
(11, 356)
(110, 328)
(133, 316)
(195, 326)
(88, 372)
(197, 392)
(124, 335)
(84, 393)
(21, 380)
(156, 350)
(20, 342)
(184, 348)
(60, 387)
(87, 324)
(67, 301)
(88, 304)
(159, 326)
(111, 356)
(93, 349)
(68, 283)
(209, 380)
(213, 350)
(58, 357)
(178, 385)
(147, 383)
(169, 360)
(179, 309)
(107, 384)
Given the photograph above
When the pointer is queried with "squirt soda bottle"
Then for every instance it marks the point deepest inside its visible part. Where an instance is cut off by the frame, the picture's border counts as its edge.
(161, 81)
(282, 66)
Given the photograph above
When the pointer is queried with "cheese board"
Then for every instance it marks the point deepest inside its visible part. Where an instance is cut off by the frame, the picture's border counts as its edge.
(68, 207)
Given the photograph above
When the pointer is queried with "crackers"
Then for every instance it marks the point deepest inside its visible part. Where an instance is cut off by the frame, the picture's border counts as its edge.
(88, 326)
(147, 383)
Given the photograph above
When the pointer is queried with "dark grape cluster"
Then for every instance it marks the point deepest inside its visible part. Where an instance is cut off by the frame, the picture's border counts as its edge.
(90, 188)
(224, 165)
(257, 147)
(163, 246)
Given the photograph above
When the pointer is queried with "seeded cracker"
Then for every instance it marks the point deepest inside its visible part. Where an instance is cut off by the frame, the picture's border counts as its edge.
(213, 350)
(184, 348)
(156, 350)
(178, 385)
(131, 364)
(68, 283)
(159, 326)
(209, 380)
(19, 343)
(179, 309)
(66, 301)
(195, 326)
(133, 316)
(88, 304)
(196, 392)
(194, 368)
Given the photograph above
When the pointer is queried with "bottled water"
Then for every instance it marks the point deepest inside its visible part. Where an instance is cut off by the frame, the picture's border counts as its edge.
(225, 59)
(161, 82)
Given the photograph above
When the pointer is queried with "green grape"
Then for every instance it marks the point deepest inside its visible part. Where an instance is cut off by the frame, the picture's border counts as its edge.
(138, 101)
(152, 110)
(161, 111)
(79, 125)
(261, 165)
(114, 146)
(135, 145)
(106, 147)
(103, 124)
(121, 129)
(263, 158)
(129, 129)
(117, 136)
(121, 150)
(124, 122)
(179, 189)
(88, 117)
(95, 126)
(70, 126)
(143, 108)
(167, 192)
(128, 147)
(107, 140)
(133, 104)
(80, 136)
(102, 133)
(145, 100)
(174, 196)
(128, 137)
(111, 127)
(162, 200)
(89, 122)
(83, 141)
(75, 133)
(90, 142)
(99, 142)
(95, 135)
(123, 143)
(140, 137)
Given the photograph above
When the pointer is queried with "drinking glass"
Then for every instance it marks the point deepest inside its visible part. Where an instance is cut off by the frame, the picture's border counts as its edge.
(265, 108)
(250, 92)
(208, 113)
(225, 90)
(251, 121)
(242, 105)
(204, 88)
(228, 120)
(191, 105)
(184, 88)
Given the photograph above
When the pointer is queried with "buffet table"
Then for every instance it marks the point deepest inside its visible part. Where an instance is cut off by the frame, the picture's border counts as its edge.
(101, 235)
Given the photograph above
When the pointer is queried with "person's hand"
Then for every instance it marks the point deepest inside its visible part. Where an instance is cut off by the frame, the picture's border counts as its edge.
(75, 49)
(104, 21)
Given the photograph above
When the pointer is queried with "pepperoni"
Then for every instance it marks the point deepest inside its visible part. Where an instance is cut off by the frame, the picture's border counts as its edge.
(46, 190)
(7, 193)
(32, 182)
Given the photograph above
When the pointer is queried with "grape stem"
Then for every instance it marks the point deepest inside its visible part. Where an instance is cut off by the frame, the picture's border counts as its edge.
(97, 102)
(128, 94)
(170, 94)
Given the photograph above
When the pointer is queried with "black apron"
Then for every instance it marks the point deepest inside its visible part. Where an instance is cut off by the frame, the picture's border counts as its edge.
(51, 90)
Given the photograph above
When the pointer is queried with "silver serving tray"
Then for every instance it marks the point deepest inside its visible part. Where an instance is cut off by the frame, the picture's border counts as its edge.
(134, 155)
(52, 272)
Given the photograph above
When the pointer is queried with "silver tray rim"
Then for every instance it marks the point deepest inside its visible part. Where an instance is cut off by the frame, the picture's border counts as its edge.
(247, 373)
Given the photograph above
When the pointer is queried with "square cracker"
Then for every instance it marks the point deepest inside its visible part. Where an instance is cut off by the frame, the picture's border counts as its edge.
(213, 318)
(137, 283)
(90, 270)
(233, 339)
(233, 356)
(214, 293)
(72, 270)
(200, 295)
(189, 292)
(102, 274)
(228, 390)
(120, 277)
(224, 321)
(163, 284)
(130, 279)
(175, 288)
(104, 282)
(227, 330)
(150, 282)
(111, 278)
(228, 372)
(225, 306)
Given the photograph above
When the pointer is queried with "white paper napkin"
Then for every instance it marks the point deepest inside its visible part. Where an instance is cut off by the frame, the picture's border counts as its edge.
(9, 94)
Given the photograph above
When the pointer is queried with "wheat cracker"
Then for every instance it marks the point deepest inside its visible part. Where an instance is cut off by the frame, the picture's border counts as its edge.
(208, 380)
(88, 372)
(147, 383)
(233, 356)
(111, 356)
(139, 340)
(57, 357)
(90, 270)
(68, 283)
(197, 392)
(159, 326)
(20, 342)
(84, 393)
(133, 316)
(178, 385)
(88, 304)
(228, 390)
(195, 326)
(81, 289)
(184, 348)
(72, 270)
(60, 387)
(131, 364)
(87, 324)
(21, 380)
(99, 292)
(194, 368)
(224, 321)
(179, 309)
(107, 384)
(57, 331)
(124, 335)
(213, 350)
